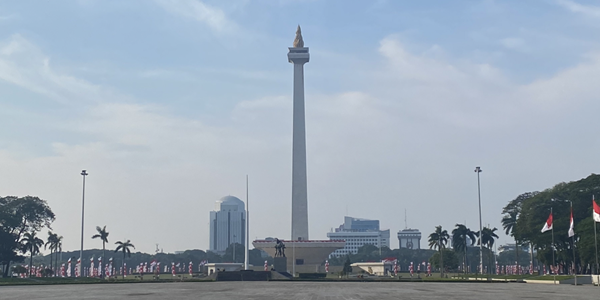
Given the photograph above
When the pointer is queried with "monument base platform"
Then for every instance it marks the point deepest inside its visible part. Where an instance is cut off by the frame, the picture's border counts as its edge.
(308, 254)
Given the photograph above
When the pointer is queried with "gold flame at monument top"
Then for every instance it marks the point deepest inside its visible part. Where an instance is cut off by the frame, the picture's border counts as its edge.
(298, 41)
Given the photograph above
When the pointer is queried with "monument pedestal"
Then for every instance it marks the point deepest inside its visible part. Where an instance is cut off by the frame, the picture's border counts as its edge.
(280, 264)
(307, 253)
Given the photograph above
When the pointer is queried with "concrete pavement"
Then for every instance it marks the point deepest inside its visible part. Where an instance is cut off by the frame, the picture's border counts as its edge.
(301, 290)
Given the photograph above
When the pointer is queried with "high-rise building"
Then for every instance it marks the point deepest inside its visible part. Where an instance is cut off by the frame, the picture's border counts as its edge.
(409, 238)
(357, 233)
(227, 224)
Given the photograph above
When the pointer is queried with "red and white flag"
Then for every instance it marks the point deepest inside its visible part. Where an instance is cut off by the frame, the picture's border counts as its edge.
(91, 272)
(190, 267)
(69, 267)
(78, 268)
(596, 211)
(571, 225)
(266, 266)
(548, 225)
(173, 268)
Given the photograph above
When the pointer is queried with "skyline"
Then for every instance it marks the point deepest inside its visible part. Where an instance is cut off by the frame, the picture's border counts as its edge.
(169, 104)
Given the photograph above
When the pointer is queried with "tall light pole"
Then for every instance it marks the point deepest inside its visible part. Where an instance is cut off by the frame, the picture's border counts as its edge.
(247, 233)
(478, 170)
(83, 173)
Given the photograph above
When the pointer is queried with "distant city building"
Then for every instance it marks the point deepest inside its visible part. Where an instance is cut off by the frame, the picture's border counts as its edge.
(357, 233)
(512, 247)
(409, 238)
(227, 224)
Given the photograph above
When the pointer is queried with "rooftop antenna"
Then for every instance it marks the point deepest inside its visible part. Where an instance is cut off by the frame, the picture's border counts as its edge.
(156, 249)
(405, 223)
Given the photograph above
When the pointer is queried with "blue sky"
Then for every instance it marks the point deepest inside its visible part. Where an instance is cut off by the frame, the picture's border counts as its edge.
(169, 104)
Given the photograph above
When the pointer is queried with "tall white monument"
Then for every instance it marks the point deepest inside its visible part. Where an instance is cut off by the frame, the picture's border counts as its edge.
(298, 55)
(302, 254)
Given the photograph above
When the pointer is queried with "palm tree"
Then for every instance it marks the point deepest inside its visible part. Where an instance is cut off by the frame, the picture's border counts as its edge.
(103, 235)
(51, 243)
(57, 248)
(487, 239)
(32, 244)
(124, 247)
(438, 240)
(509, 222)
(460, 235)
(511, 214)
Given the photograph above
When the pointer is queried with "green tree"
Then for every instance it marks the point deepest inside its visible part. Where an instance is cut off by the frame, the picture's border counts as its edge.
(124, 247)
(438, 240)
(487, 238)
(239, 253)
(347, 269)
(57, 250)
(31, 244)
(102, 235)
(508, 257)
(535, 211)
(510, 216)
(450, 259)
(51, 243)
(10, 251)
(19, 216)
(460, 237)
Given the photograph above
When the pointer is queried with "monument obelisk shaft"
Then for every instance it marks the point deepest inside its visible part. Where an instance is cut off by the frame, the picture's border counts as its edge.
(298, 55)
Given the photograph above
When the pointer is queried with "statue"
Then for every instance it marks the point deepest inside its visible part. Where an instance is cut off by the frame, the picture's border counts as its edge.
(279, 248)
(298, 41)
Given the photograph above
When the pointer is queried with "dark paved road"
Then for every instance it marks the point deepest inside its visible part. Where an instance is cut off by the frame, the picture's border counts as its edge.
(302, 290)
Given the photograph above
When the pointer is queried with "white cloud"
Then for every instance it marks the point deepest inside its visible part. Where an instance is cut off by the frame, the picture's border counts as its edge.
(23, 64)
(588, 10)
(199, 11)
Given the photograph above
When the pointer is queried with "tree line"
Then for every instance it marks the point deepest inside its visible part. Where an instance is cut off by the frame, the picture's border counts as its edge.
(524, 217)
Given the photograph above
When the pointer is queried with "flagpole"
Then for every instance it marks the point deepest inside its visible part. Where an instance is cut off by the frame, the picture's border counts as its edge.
(595, 240)
(573, 241)
(553, 260)
(246, 262)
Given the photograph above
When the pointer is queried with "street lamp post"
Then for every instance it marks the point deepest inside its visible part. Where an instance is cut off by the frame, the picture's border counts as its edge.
(83, 173)
(478, 170)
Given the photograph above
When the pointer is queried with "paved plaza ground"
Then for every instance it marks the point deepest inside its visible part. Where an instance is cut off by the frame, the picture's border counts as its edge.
(301, 290)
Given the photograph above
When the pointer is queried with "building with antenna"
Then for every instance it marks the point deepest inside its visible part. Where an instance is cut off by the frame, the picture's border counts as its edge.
(357, 233)
(409, 238)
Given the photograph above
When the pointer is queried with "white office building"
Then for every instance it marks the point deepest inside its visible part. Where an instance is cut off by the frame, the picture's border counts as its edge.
(357, 233)
(227, 224)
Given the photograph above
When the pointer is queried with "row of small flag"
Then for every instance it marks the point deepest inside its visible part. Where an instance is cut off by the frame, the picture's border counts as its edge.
(94, 270)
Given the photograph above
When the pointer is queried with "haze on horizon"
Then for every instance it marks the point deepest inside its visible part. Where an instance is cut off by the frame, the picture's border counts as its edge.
(169, 104)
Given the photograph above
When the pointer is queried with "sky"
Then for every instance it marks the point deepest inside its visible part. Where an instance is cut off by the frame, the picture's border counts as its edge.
(170, 104)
